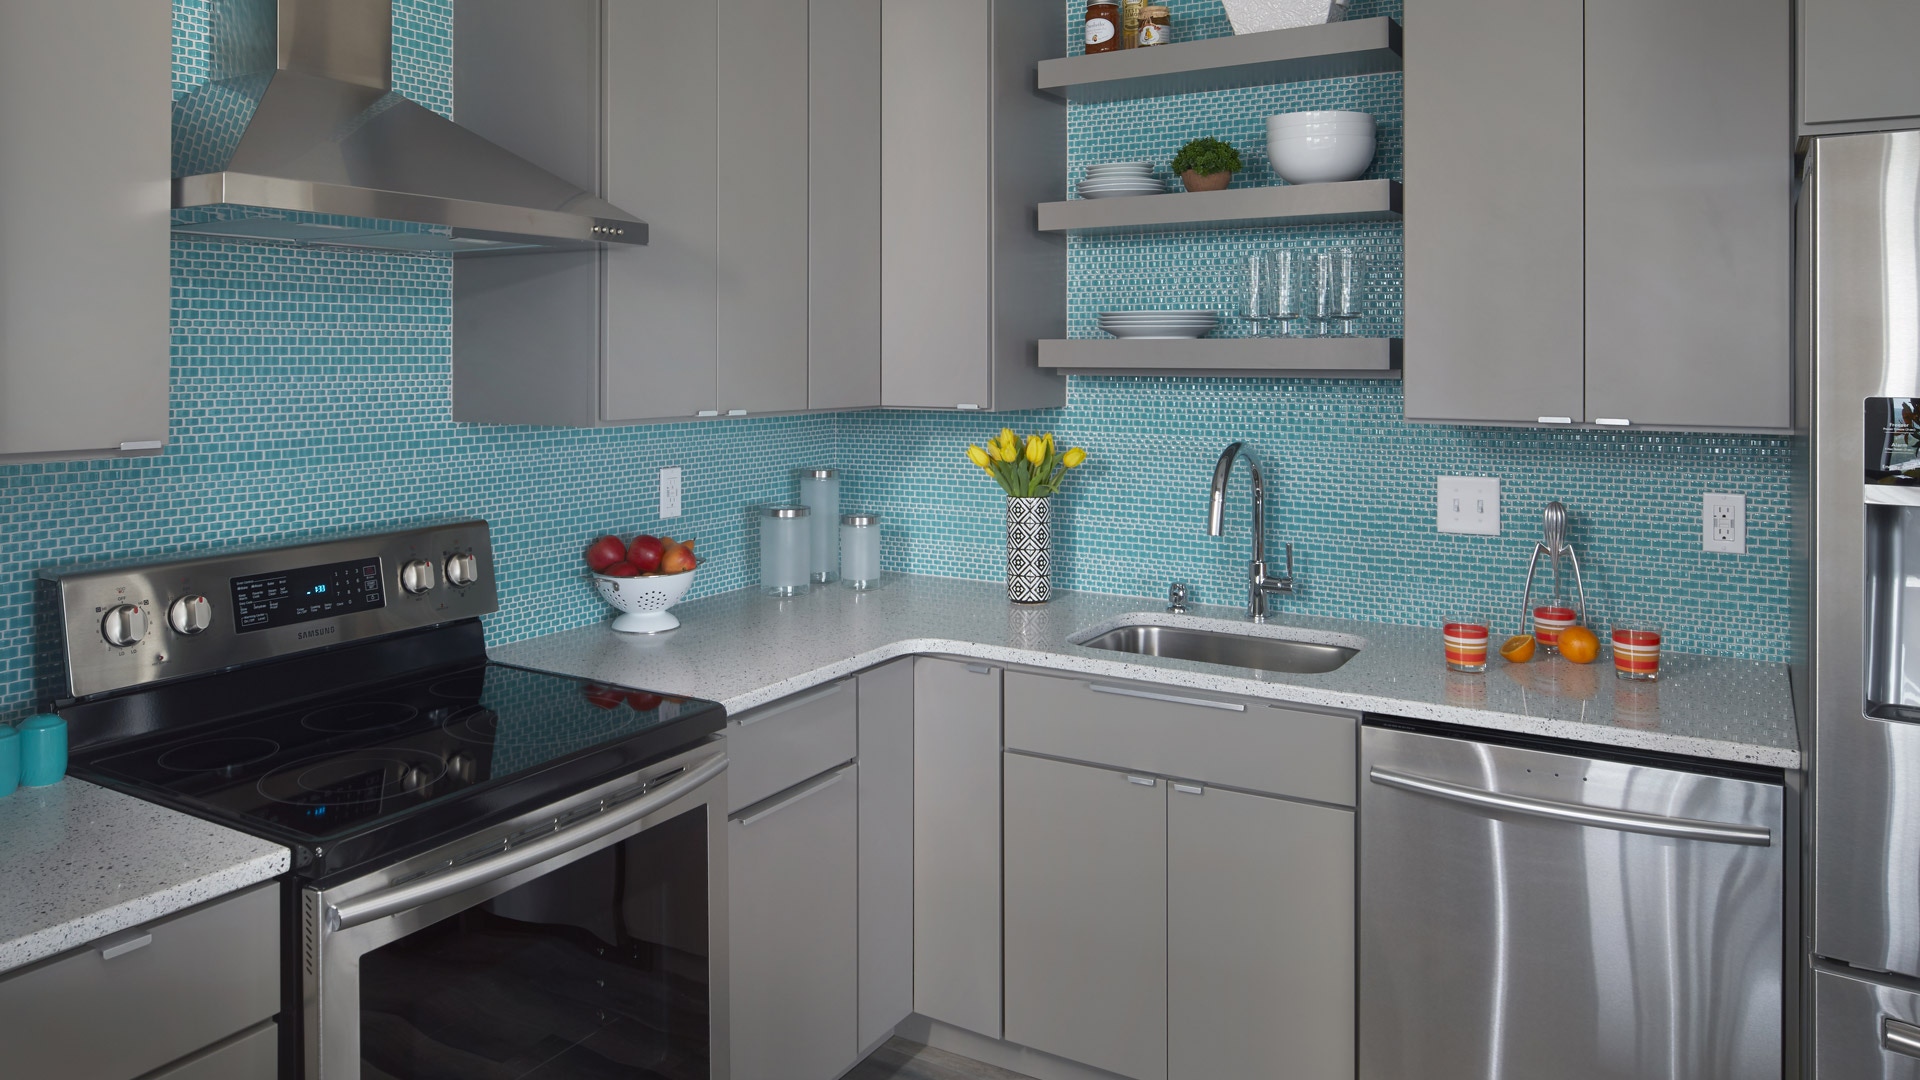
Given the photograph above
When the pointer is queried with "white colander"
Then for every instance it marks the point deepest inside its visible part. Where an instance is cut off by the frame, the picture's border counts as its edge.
(644, 600)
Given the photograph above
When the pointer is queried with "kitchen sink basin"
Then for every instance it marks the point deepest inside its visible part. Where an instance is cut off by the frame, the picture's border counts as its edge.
(1233, 650)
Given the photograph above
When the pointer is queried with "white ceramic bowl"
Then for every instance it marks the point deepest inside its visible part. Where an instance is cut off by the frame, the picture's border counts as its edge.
(644, 600)
(1320, 159)
(1335, 118)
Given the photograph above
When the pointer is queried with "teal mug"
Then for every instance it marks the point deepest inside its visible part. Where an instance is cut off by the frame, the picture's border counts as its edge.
(43, 750)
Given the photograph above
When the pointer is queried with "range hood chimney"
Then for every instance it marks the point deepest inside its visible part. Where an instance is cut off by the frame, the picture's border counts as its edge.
(299, 138)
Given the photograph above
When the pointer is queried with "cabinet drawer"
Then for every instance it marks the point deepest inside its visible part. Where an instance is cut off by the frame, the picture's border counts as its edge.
(774, 747)
(253, 1056)
(1172, 731)
(135, 1001)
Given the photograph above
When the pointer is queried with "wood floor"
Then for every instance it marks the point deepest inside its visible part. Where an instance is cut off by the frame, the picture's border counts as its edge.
(903, 1060)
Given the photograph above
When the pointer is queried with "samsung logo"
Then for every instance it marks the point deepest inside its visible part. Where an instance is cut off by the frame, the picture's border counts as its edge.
(322, 631)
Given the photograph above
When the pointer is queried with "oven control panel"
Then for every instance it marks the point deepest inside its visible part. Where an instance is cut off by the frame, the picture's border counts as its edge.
(110, 629)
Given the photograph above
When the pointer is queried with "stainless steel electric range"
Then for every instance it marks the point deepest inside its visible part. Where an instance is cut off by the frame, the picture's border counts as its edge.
(496, 871)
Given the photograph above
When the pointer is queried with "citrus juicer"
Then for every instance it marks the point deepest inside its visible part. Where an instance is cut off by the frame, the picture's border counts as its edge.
(1553, 546)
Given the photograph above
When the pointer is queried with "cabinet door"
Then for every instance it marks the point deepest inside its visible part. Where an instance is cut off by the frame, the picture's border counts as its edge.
(793, 868)
(956, 844)
(662, 94)
(1493, 212)
(1856, 62)
(1086, 911)
(934, 203)
(1689, 213)
(886, 849)
(1260, 938)
(760, 340)
(84, 274)
(843, 195)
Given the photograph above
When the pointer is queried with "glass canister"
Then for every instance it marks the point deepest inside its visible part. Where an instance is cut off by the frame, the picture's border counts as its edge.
(820, 493)
(860, 550)
(785, 549)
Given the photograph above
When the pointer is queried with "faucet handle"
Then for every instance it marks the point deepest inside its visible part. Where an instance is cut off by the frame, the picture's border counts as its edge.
(1177, 598)
(1289, 563)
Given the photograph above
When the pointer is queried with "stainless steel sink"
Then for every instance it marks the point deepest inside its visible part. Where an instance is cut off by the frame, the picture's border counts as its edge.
(1233, 650)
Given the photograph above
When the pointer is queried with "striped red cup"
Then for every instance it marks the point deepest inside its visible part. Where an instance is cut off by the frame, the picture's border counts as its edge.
(1548, 621)
(1465, 637)
(1636, 650)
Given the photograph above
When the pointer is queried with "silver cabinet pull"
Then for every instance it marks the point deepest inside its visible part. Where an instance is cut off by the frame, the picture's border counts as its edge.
(1899, 1037)
(980, 669)
(790, 704)
(1143, 781)
(1190, 789)
(1204, 703)
(813, 788)
(1598, 817)
(377, 905)
(1610, 421)
(125, 945)
(1556, 419)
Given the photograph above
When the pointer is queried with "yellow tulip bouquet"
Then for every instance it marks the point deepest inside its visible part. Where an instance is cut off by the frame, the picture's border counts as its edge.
(1026, 470)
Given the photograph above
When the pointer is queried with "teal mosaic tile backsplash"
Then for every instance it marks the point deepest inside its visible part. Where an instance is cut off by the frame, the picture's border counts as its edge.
(310, 397)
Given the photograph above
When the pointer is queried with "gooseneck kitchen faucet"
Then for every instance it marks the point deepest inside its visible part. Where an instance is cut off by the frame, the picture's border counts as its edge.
(1259, 585)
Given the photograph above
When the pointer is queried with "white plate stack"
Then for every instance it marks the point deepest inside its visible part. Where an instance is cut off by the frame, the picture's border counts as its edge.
(1158, 324)
(1120, 178)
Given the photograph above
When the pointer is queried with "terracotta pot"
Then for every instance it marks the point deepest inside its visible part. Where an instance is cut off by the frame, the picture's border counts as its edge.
(1213, 182)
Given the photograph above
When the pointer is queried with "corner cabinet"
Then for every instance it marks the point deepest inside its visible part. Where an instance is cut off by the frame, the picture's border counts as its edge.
(969, 149)
(728, 131)
(1599, 214)
(1857, 71)
(84, 275)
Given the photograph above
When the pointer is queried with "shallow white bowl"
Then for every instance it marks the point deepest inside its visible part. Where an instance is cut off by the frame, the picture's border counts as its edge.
(1320, 159)
(644, 600)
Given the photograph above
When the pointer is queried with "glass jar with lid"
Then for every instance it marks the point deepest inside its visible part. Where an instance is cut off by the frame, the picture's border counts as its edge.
(860, 550)
(785, 550)
(820, 493)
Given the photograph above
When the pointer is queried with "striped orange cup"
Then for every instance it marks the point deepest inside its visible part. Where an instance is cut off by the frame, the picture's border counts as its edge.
(1466, 641)
(1548, 621)
(1636, 650)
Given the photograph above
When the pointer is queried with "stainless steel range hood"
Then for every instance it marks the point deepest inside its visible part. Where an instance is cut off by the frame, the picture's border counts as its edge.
(299, 138)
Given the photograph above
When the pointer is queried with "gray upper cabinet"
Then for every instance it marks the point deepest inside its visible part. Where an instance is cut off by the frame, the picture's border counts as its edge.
(1857, 71)
(971, 285)
(83, 227)
(724, 129)
(1599, 214)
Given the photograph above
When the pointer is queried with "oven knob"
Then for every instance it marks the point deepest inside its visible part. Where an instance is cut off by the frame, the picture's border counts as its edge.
(124, 625)
(462, 569)
(190, 615)
(417, 576)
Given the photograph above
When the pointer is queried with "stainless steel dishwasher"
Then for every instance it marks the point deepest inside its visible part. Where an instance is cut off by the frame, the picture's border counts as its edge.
(1527, 914)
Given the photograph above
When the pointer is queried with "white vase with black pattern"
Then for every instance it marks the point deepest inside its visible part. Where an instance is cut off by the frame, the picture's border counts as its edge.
(1029, 550)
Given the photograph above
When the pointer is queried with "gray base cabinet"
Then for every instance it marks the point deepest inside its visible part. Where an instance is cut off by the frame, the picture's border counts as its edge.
(956, 844)
(793, 868)
(1856, 70)
(1086, 915)
(84, 211)
(886, 849)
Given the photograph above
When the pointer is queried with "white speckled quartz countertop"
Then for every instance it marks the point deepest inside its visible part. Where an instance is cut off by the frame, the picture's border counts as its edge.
(744, 649)
(80, 862)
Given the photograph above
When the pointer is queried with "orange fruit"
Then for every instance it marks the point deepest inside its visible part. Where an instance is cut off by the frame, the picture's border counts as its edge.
(1578, 644)
(1518, 649)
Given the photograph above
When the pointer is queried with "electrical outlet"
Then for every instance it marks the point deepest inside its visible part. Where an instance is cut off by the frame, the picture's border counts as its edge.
(1723, 523)
(1469, 504)
(670, 492)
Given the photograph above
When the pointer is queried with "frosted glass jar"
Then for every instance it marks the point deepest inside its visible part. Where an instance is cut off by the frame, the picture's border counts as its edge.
(820, 493)
(785, 548)
(860, 550)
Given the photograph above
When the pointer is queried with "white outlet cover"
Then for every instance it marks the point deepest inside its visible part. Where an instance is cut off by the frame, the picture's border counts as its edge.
(1469, 505)
(1723, 523)
(670, 492)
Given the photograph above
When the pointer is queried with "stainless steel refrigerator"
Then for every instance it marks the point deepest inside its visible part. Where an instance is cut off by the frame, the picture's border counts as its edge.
(1860, 321)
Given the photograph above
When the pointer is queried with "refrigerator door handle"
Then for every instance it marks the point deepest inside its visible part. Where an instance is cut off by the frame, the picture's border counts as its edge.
(1598, 817)
(1899, 1037)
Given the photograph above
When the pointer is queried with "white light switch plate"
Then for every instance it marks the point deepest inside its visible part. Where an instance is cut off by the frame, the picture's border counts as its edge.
(1723, 523)
(1469, 504)
(670, 492)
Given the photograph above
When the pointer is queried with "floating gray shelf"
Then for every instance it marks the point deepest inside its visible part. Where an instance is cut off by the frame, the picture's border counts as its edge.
(1377, 358)
(1330, 50)
(1287, 204)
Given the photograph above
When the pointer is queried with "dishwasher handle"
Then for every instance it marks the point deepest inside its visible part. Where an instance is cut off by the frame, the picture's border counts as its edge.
(1599, 817)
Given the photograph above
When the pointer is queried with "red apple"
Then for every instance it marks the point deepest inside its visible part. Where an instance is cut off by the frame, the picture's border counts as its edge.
(604, 552)
(644, 553)
(623, 568)
(677, 560)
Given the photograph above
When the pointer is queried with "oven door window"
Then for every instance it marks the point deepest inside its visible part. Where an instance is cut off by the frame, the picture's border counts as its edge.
(596, 969)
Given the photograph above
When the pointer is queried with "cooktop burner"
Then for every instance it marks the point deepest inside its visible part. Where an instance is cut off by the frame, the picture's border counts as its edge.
(218, 755)
(358, 716)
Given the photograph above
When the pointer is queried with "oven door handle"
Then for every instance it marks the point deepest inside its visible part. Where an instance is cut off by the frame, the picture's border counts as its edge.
(378, 905)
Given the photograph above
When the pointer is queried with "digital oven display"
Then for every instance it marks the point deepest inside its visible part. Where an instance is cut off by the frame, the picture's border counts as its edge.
(264, 601)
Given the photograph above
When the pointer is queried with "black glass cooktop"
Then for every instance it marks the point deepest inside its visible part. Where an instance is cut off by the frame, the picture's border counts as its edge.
(350, 776)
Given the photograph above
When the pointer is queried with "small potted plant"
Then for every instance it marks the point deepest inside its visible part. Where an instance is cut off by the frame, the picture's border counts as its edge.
(1206, 164)
(1030, 473)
